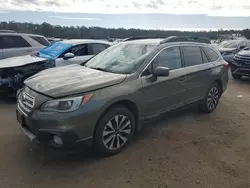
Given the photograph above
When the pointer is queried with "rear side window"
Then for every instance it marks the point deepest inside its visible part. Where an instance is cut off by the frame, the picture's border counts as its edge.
(97, 48)
(40, 40)
(170, 58)
(213, 56)
(13, 42)
(192, 55)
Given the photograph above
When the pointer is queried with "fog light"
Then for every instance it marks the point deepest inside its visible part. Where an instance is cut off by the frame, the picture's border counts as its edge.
(57, 140)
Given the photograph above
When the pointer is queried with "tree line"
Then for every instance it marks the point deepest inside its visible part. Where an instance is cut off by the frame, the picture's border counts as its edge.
(66, 32)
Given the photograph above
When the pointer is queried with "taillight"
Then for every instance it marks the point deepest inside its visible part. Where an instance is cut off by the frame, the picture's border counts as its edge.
(226, 66)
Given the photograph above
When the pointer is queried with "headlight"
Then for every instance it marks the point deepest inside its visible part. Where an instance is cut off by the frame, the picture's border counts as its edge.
(66, 104)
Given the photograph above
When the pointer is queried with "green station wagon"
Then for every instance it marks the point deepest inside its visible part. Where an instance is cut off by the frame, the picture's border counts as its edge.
(104, 102)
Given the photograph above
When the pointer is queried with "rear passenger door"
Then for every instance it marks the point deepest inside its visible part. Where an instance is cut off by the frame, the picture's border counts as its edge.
(198, 69)
(14, 46)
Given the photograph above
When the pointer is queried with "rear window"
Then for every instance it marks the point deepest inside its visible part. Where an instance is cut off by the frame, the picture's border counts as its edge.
(13, 42)
(40, 40)
(213, 56)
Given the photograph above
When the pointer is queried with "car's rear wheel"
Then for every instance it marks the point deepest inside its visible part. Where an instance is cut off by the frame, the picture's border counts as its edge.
(114, 131)
(211, 100)
(236, 76)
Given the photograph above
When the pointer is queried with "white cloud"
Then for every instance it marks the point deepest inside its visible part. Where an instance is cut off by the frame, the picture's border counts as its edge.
(210, 7)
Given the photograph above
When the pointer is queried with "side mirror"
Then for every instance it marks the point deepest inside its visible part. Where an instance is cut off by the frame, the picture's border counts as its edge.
(68, 56)
(161, 71)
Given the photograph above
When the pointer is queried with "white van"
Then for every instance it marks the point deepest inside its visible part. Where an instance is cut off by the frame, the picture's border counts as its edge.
(18, 44)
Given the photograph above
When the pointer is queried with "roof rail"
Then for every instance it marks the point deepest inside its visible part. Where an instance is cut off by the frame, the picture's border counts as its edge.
(7, 31)
(138, 37)
(185, 39)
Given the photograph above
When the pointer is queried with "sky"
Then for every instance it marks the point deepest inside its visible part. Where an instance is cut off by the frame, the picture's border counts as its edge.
(143, 14)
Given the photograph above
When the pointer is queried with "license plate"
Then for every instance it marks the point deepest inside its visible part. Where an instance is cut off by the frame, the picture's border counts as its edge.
(19, 118)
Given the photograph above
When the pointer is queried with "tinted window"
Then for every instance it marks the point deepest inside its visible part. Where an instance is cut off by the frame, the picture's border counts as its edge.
(192, 55)
(40, 40)
(80, 50)
(97, 48)
(204, 57)
(170, 58)
(213, 56)
(13, 42)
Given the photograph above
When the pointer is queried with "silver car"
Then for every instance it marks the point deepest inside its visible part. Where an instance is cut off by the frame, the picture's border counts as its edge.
(17, 44)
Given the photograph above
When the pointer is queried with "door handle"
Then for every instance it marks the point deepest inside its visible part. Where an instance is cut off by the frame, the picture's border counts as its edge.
(210, 69)
(29, 50)
(182, 78)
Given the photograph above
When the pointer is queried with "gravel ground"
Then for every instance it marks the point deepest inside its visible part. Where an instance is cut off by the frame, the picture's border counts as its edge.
(183, 149)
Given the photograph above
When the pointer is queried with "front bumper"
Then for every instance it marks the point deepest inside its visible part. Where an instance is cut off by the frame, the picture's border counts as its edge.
(41, 128)
(240, 69)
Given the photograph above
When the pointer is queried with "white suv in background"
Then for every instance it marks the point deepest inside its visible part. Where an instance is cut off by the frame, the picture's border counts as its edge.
(18, 44)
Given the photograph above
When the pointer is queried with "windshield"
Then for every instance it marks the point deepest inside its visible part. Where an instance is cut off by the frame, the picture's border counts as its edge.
(54, 50)
(229, 44)
(122, 58)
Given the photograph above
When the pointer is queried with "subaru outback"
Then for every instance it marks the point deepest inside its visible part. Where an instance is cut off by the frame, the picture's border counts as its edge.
(105, 102)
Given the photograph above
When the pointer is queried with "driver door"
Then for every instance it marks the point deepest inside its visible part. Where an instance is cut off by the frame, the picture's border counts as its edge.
(164, 93)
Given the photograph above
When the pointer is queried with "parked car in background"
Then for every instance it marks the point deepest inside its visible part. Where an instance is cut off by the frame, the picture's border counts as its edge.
(13, 71)
(104, 102)
(241, 64)
(16, 44)
(231, 47)
(52, 39)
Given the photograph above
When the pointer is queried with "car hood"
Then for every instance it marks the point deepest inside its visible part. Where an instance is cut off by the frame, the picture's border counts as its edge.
(70, 80)
(19, 61)
(244, 53)
(226, 49)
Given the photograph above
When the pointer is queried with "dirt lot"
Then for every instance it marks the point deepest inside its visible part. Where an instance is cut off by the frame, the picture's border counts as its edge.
(184, 149)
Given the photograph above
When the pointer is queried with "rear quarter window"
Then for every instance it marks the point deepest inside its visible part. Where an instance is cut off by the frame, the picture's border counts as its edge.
(213, 56)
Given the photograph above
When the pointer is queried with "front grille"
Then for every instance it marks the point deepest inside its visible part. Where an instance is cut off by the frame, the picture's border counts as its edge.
(242, 58)
(25, 102)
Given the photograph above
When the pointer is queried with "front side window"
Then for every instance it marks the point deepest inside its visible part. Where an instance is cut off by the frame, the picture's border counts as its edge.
(213, 56)
(192, 55)
(14, 42)
(169, 57)
(123, 58)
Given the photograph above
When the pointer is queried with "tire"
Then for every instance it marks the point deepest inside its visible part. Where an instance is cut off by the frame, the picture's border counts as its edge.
(236, 76)
(109, 139)
(211, 100)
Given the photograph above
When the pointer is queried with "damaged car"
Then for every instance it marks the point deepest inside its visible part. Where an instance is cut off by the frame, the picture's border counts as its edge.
(13, 71)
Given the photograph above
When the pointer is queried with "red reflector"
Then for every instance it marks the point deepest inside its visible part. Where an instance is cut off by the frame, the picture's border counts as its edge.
(226, 66)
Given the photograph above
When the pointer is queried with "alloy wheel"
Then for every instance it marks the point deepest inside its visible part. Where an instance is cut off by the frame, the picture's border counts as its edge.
(213, 98)
(116, 132)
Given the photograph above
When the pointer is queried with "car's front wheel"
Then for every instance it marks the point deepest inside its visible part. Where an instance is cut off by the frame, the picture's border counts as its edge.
(211, 100)
(114, 131)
